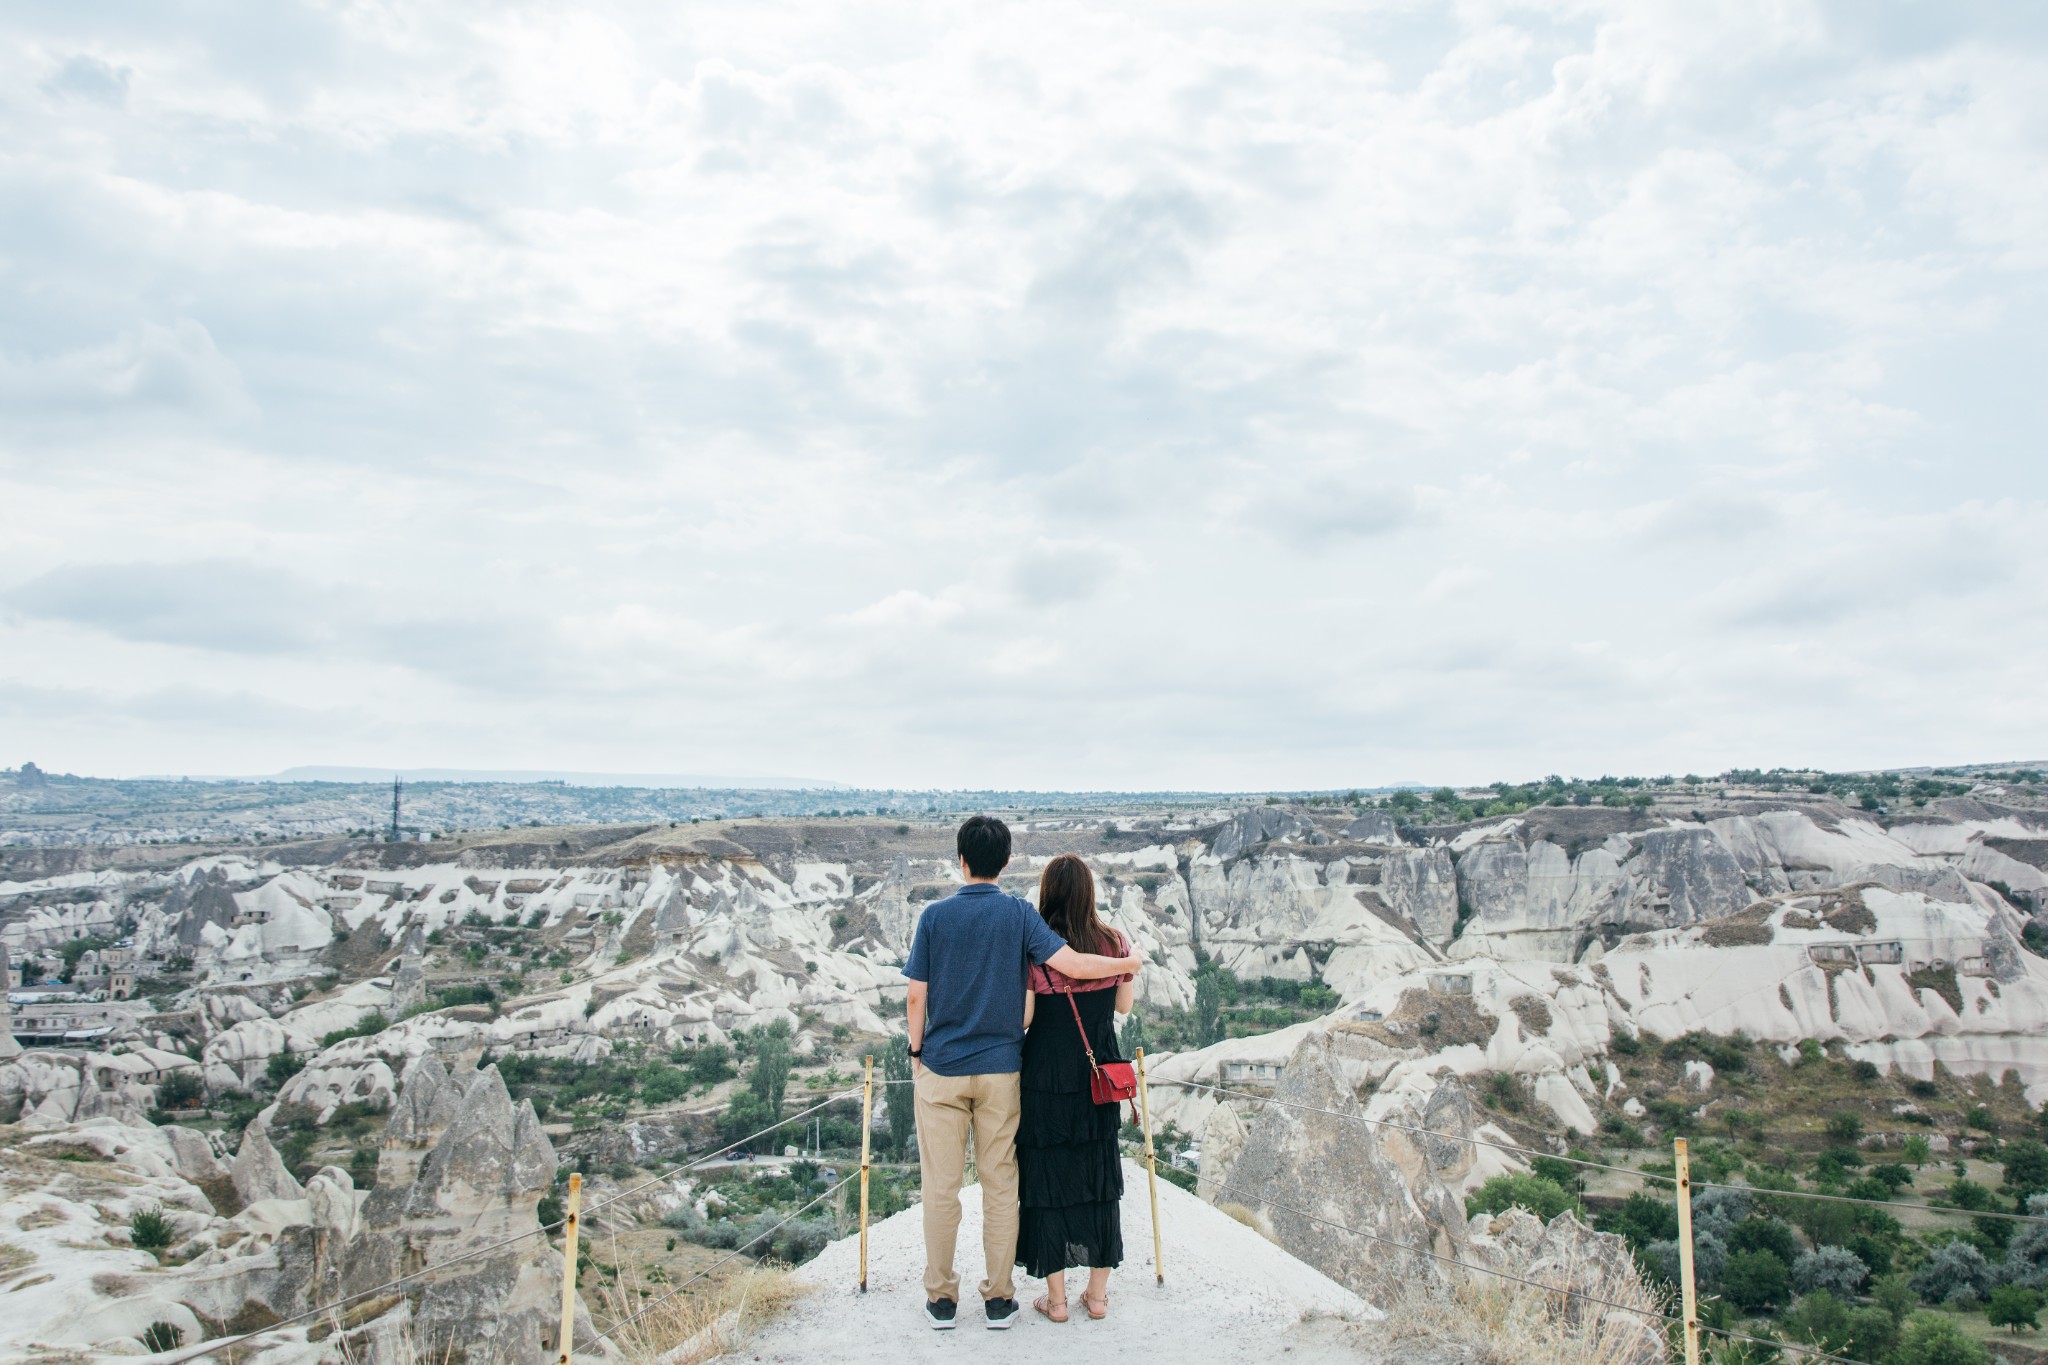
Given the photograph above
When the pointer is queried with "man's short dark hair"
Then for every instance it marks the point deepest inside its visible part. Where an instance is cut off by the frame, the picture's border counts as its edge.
(985, 843)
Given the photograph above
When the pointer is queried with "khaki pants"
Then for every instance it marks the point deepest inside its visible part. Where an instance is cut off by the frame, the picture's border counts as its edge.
(948, 1109)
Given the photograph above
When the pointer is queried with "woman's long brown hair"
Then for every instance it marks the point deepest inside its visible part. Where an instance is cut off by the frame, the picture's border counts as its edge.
(1066, 898)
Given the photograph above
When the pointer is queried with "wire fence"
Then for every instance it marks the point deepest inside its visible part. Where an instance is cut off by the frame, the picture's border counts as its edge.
(330, 1309)
(1530, 1153)
(733, 1255)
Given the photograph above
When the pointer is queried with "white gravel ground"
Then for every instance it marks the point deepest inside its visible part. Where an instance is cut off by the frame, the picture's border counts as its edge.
(1230, 1295)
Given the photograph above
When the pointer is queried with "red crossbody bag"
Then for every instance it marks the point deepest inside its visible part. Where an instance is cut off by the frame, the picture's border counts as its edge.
(1108, 1082)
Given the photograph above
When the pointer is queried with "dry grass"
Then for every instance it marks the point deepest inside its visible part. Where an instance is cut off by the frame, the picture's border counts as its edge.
(1504, 1323)
(690, 1328)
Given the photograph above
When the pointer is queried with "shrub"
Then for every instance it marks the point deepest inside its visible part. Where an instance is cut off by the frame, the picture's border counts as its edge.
(163, 1336)
(2013, 1307)
(1980, 1118)
(2026, 1258)
(1544, 1198)
(281, 1067)
(1755, 1280)
(2026, 1168)
(369, 1026)
(1641, 1219)
(1769, 1235)
(1936, 1339)
(1845, 1126)
(1836, 1270)
(180, 1090)
(1895, 1176)
(149, 1230)
(1833, 1326)
(1952, 1272)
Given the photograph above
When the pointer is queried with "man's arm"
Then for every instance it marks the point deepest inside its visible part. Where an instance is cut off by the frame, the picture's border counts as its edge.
(1093, 966)
(913, 1007)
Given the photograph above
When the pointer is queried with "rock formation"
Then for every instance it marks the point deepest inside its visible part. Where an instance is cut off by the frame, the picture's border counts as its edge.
(409, 982)
(259, 1172)
(1354, 1201)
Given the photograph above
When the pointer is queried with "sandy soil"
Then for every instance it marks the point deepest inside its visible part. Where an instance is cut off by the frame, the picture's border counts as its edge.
(1229, 1295)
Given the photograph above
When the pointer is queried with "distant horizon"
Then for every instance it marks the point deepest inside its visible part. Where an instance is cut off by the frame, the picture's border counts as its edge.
(357, 775)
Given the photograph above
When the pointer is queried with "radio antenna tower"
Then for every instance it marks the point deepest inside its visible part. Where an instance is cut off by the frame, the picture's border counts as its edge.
(397, 790)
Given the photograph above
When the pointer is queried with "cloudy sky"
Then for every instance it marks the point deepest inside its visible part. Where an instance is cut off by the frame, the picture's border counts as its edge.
(1186, 395)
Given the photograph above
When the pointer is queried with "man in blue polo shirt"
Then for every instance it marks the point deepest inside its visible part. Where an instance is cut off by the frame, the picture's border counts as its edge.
(967, 969)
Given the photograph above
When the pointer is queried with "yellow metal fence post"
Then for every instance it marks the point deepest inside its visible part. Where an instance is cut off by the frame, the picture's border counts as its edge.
(1688, 1296)
(867, 1131)
(1151, 1172)
(567, 1341)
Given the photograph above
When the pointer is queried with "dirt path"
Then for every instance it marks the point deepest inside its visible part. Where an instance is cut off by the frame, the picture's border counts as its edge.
(1230, 1295)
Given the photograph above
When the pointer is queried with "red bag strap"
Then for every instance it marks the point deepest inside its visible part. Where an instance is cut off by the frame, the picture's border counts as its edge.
(1081, 1029)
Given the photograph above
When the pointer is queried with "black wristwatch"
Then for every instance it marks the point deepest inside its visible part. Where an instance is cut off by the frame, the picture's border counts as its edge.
(917, 1052)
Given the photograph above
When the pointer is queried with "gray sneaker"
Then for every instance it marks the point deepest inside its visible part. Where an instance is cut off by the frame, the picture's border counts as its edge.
(939, 1312)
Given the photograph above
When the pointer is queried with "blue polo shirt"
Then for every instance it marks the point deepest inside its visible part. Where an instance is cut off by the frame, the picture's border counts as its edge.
(972, 950)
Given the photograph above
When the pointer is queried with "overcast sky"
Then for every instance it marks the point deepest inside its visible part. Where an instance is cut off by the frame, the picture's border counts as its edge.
(1187, 395)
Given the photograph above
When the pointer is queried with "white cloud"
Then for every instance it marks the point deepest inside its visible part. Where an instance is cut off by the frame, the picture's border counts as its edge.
(1051, 395)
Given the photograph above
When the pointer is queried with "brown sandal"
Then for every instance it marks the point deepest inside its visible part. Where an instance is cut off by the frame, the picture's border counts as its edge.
(1057, 1312)
(1089, 1304)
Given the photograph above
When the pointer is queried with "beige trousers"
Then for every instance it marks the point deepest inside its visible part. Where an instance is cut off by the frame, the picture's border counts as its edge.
(949, 1109)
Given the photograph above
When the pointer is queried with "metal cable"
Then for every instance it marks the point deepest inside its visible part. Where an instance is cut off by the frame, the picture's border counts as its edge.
(224, 1343)
(1603, 1166)
(647, 1308)
(1658, 1315)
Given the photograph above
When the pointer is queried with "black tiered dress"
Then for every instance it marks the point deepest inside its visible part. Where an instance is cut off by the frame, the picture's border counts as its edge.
(1070, 1176)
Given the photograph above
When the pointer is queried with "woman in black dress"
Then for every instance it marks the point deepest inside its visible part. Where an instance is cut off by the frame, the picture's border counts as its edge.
(1070, 1174)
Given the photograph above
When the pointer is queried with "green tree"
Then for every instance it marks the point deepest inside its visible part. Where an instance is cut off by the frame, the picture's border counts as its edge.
(180, 1090)
(769, 1079)
(1755, 1280)
(1544, 1198)
(2026, 1168)
(1845, 1126)
(1134, 1034)
(1208, 1010)
(281, 1067)
(1916, 1151)
(1936, 1339)
(2014, 1307)
(902, 1104)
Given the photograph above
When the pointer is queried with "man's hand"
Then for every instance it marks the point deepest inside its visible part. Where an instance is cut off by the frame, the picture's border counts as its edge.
(913, 1022)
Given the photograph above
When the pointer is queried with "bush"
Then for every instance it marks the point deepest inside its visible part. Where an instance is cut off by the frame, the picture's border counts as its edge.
(163, 1336)
(2026, 1168)
(1769, 1235)
(2013, 1307)
(1936, 1339)
(1832, 1325)
(1641, 1219)
(180, 1090)
(281, 1067)
(1952, 1272)
(1544, 1198)
(1845, 1126)
(369, 1026)
(2026, 1257)
(149, 1230)
(1755, 1280)
(1836, 1270)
